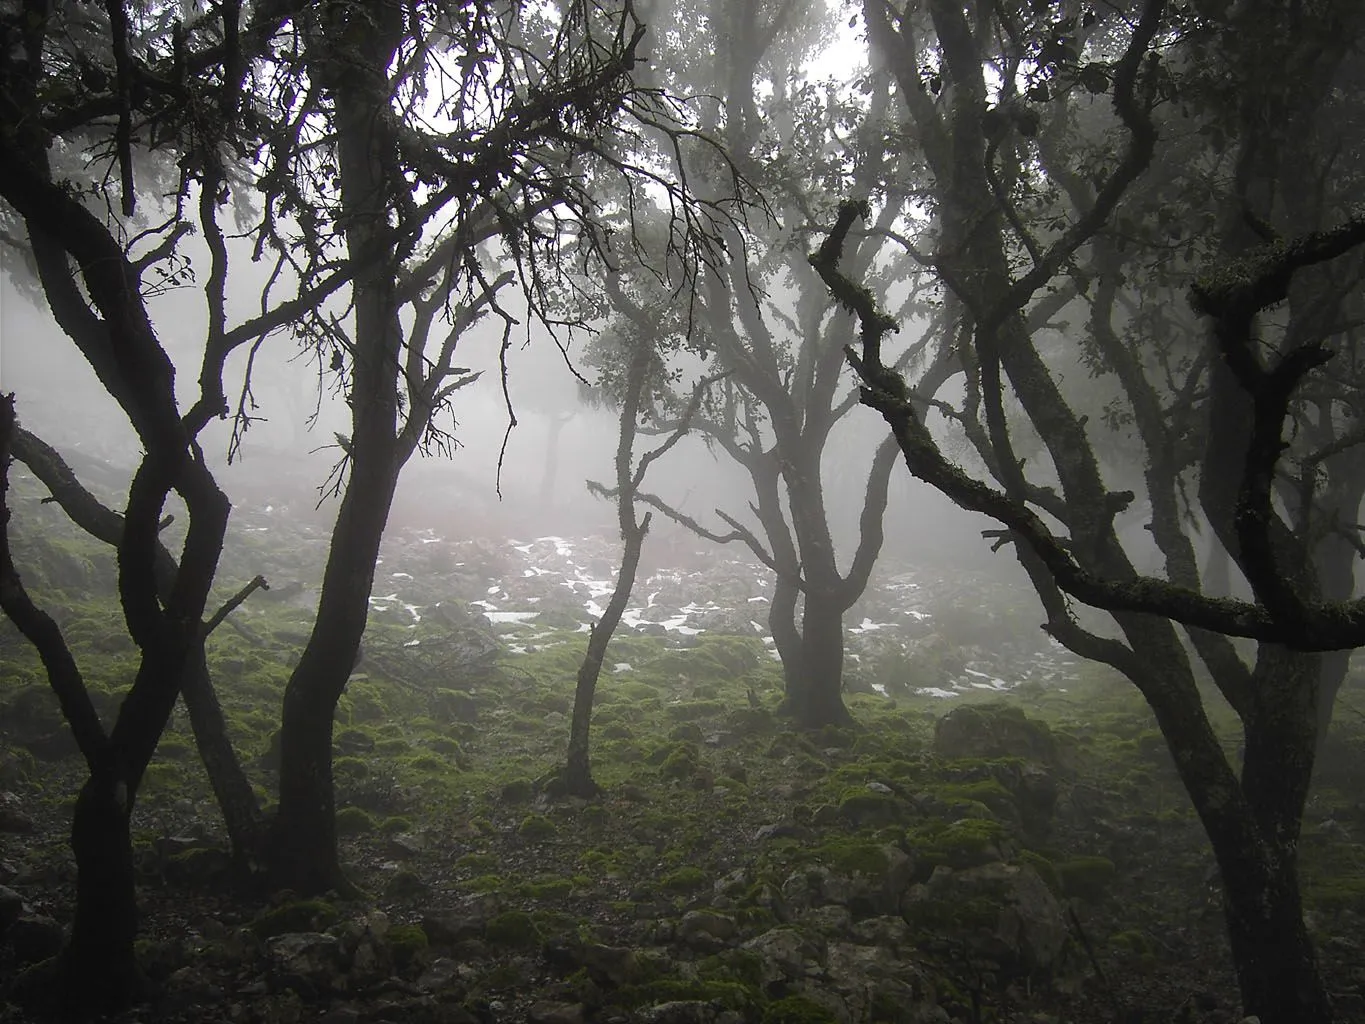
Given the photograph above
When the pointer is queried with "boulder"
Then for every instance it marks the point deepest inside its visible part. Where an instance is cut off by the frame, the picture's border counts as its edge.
(1006, 912)
(993, 730)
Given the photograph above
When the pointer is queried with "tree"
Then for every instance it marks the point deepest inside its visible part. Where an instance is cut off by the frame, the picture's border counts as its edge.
(767, 328)
(73, 78)
(646, 321)
(536, 101)
(1027, 212)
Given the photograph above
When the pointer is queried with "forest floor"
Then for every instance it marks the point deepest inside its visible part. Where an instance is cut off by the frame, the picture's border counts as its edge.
(1002, 838)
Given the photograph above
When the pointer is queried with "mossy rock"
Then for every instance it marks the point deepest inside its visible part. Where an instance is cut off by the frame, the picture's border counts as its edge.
(798, 1010)
(512, 928)
(295, 916)
(993, 730)
(1086, 878)
(405, 884)
(726, 995)
(354, 821)
(406, 942)
(518, 791)
(965, 843)
(685, 879)
(536, 827)
(869, 809)
(175, 748)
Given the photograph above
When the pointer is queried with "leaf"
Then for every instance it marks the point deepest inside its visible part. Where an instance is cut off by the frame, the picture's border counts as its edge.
(1093, 78)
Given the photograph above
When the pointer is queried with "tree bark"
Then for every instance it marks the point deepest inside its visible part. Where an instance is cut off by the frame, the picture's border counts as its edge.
(814, 696)
(576, 778)
(99, 964)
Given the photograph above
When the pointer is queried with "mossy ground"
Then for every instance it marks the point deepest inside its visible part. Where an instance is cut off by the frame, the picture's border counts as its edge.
(437, 777)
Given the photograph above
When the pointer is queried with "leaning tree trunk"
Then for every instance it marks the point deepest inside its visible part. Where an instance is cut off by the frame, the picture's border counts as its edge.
(303, 848)
(576, 778)
(242, 816)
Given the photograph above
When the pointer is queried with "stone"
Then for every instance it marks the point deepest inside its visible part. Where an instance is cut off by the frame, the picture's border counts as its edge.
(310, 963)
(787, 954)
(34, 937)
(546, 1012)
(11, 907)
(706, 931)
(1007, 910)
(993, 730)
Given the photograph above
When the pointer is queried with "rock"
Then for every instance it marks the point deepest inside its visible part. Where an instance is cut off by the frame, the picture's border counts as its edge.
(681, 1011)
(440, 973)
(12, 818)
(310, 963)
(832, 920)
(34, 937)
(1005, 910)
(993, 730)
(445, 928)
(787, 954)
(11, 907)
(887, 932)
(57, 745)
(546, 1012)
(706, 930)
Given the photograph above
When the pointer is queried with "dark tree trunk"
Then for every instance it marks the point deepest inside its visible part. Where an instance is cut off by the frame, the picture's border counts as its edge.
(99, 966)
(246, 824)
(814, 679)
(576, 778)
(303, 850)
(352, 60)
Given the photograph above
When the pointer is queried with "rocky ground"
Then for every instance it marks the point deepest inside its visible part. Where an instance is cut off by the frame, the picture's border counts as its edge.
(1001, 839)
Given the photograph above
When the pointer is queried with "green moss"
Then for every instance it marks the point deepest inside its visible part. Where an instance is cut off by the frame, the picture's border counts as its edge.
(514, 928)
(798, 1010)
(853, 856)
(175, 748)
(406, 941)
(1047, 871)
(727, 995)
(1086, 878)
(681, 763)
(546, 887)
(518, 791)
(296, 916)
(489, 883)
(869, 808)
(354, 821)
(397, 825)
(685, 879)
(959, 844)
(536, 827)
(477, 861)
(350, 768)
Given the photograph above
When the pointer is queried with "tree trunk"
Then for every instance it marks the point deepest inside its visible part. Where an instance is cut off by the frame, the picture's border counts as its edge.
(246, 825)
(353, 57)
(576, 778)
(814, 680)
(99, 968)
(303, 850)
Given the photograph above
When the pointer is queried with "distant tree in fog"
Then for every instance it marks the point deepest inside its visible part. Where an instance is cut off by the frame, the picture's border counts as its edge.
(765, 325)
(1158, 198)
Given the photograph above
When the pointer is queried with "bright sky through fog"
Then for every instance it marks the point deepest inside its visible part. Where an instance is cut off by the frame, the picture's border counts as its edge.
(846, 52)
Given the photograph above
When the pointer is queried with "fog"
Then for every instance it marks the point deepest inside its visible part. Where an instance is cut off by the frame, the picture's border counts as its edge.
(495, 483)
